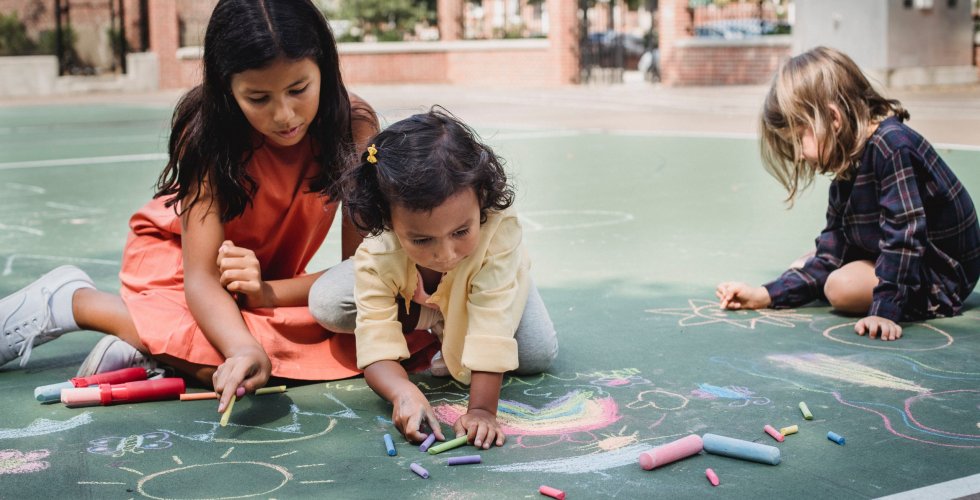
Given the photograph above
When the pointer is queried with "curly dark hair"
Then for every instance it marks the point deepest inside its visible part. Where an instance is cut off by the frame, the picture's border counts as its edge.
(422, 161)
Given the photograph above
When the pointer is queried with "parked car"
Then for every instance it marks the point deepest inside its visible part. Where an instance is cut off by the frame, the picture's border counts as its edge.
(733, 29)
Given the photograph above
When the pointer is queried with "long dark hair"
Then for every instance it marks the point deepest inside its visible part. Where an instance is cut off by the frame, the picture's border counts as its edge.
(211, 141)
(419, 163)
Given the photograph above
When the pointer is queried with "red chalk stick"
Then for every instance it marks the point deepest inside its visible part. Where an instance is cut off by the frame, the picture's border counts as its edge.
(712, 477)
(773, 432)
(551, 492)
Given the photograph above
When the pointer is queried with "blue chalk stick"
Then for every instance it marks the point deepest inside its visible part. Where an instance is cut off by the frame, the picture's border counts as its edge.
(51, 393)
(737, 448)
(390, 445)
(428, 442)
(837, 438)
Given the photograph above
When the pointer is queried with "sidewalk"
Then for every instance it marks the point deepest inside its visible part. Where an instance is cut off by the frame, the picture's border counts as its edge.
(943, 115)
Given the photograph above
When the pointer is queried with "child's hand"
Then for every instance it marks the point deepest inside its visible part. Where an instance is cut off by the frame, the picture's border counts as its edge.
(410, 409)
(736, 295)
(250, 368)
(241, 274)
(481, 428)
(873, 325)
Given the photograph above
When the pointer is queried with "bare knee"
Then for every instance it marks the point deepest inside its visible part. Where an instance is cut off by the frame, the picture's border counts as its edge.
(847, 293)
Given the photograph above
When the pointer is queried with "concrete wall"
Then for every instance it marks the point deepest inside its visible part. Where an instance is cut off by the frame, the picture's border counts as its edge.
(750, 61)
(858, 28)
(940, 36)
(23, 76)
(28, 75)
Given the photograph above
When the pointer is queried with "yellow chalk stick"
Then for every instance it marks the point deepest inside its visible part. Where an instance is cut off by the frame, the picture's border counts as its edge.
(806, 411)
(793, 429)
(270, 390)
(227, 413)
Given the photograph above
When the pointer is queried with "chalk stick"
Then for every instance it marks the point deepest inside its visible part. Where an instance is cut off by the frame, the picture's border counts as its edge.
(792, 429)
(773, 432)
(671, 452)
(390, 446)
(712, 477)
(837, 438)
(737, 448)
(428, 442)
(551, 492)
(418, 469)
(197, 396)
(227, 413)
(464, 460)
(448, 445)
(806, 411)
(51, 393)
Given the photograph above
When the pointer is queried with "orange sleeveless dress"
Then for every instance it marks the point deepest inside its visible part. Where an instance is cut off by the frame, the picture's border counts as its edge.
(285, 226)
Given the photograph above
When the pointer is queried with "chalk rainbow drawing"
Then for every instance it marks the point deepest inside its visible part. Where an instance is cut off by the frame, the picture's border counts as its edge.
(575, 412)
(911, 422)
(845, 370)
(740, 396)
(18, 462)
(706, 312)
(43, 426)
(945, 341)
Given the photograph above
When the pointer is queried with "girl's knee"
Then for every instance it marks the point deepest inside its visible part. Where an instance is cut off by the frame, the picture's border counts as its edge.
(332, 306)
(539, 359)
(847, 293)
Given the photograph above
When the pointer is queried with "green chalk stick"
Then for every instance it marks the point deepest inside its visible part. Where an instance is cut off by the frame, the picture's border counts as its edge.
(806, 411)
(448, 445)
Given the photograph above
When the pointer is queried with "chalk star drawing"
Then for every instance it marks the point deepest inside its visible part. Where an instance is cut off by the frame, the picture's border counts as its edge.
(706, 312)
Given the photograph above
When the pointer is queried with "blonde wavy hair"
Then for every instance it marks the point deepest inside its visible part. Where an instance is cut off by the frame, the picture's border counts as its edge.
(805, 94)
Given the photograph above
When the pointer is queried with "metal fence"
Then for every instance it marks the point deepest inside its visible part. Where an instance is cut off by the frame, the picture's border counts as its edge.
(734, 19)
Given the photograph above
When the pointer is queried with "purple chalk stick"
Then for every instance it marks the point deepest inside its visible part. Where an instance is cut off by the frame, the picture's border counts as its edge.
(468, 459)
(428, 442)
(418, 469)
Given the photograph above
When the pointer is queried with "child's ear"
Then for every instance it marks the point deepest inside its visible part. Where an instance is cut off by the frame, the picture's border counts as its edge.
(835, 112)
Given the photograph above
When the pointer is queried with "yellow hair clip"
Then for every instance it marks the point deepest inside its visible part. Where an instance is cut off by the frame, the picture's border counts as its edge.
(371, 150)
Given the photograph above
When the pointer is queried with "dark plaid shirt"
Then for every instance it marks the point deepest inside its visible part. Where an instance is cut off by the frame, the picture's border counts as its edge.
(904, 210)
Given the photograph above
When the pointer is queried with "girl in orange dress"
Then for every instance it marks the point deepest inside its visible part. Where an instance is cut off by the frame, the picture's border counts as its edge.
(213, 273)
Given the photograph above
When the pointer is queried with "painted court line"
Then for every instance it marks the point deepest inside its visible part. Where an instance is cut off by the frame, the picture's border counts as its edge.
(65, 162)
(955, 488)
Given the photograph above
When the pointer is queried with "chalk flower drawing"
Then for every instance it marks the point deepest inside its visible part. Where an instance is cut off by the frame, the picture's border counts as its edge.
(119, 446)
(741, 396)
(18, 462)
(706, 312)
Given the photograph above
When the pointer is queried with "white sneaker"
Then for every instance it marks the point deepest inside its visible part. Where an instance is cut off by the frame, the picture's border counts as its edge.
(39, 312)
(113, 353)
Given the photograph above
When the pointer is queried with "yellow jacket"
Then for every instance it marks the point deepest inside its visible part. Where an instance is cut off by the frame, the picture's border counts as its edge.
(482, 299)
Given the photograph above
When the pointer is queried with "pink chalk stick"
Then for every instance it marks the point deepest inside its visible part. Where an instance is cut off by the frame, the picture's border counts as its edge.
(773, 432)
(712, 477)
(671, 452)
(552, 492)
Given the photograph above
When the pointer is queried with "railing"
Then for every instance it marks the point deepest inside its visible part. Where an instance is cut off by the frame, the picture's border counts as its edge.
(735, 19)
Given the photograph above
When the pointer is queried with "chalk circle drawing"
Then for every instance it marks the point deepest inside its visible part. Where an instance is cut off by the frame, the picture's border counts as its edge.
(18, 462)
(837, 368)
(959, 439)
(658, 399)
(556, 220)
(211, 435)
(118, 446)
(944, 341)
(197, 481)
(949, 401)
(707, 312)
(42, 426)
(740, 396)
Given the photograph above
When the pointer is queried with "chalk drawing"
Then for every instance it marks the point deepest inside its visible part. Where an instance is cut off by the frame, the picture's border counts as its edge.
(911, 422)
(741, 396)
(577, 411)
(161, 483)
(118, 446)
(845, 370)
(556, 220)
(211, 436)
(42, 426)
(592, 462)
(706, 312)
(30, 189)
(18, 462)
(920, 367)
(60, 259)
(659, 399)
(945, 339)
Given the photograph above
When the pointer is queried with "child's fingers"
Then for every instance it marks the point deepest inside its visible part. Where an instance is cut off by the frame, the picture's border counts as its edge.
(434, 426)
(860, 328)
(501, 437)
(480, 436)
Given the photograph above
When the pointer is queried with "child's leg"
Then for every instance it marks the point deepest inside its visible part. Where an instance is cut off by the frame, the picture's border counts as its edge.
(537, 342)
(331, 299)
(850, 288)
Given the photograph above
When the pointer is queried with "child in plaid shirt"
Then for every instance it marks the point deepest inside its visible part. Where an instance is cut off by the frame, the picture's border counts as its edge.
(902, 241)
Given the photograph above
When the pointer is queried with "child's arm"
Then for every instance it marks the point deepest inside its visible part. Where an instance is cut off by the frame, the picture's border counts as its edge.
(246, 363)
(480, 421)
(410, 408)
(240, 273)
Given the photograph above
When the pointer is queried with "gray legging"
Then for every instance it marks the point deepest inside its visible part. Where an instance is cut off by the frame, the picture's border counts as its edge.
(332, 304)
